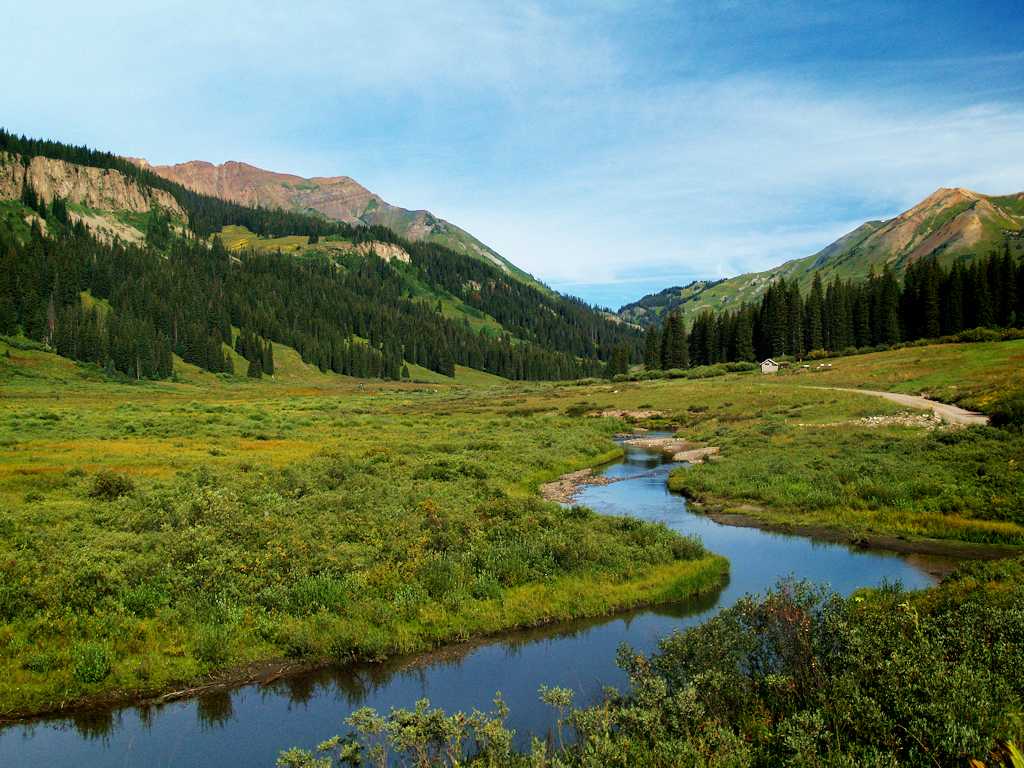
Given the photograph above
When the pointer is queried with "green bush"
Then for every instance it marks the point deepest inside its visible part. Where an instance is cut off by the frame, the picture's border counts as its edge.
(91, 662)
(109, 486)
(1009, 411)
(213, 643)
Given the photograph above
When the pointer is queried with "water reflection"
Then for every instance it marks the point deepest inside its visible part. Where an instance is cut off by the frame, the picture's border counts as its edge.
(250, 725)
(214, 709)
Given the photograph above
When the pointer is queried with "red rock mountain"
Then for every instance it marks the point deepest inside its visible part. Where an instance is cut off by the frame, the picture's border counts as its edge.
(336, 197)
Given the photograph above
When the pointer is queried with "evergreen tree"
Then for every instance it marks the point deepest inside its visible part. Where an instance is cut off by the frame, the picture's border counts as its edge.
(814, 315)
(674, 345)
(652, 348)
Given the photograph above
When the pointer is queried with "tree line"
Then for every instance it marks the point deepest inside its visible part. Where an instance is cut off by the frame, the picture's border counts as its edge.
(188, 298)
(932, 301)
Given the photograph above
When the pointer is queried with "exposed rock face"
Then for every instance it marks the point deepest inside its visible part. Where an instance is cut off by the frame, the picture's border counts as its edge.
(384, 251)
(337, 197)
(913, 234)
(105, 190)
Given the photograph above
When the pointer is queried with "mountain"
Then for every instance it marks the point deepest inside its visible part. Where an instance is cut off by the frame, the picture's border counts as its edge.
(108, 262)
(339, 198)
(949, 224)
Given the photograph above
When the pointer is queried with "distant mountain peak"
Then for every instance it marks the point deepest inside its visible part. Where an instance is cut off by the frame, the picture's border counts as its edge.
(341, 198)
(952, 222)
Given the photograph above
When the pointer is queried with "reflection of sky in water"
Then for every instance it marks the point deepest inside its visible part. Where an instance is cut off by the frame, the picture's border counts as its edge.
(251, 725)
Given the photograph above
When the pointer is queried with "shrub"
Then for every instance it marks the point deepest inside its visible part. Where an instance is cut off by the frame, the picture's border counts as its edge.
(297, 642)
(213, 644)
(110, 486)
(41, 662)
(91, 662)
(1009, 412)
(317, 593)
(978, 334)
(143, 599)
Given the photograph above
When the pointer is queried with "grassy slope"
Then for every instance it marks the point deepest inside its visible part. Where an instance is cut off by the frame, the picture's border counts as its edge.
(970, 375)
(237, 238)
(12, 219)
(317, 517)
(847, 259)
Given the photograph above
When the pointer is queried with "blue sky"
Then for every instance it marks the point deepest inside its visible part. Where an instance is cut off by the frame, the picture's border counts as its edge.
(610, 148)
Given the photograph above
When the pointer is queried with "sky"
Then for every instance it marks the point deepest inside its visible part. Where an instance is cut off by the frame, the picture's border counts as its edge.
(609, 148)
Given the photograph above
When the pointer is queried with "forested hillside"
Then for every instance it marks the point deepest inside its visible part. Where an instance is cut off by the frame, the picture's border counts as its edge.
(346, 312)
(949, 225)
(932, 301)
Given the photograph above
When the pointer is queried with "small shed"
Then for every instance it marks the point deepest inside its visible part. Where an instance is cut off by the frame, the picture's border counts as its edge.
(769, 366)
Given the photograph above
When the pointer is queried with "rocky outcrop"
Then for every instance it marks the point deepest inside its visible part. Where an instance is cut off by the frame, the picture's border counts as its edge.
(384, 251)
(98, 188)
(678, 448)
(626, 415)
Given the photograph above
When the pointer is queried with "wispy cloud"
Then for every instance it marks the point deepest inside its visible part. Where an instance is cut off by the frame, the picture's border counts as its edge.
(601, 145)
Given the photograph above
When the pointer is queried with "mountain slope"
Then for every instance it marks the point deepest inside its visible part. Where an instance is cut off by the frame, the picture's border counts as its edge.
(337, 197)
(178, 270)
(948, 224)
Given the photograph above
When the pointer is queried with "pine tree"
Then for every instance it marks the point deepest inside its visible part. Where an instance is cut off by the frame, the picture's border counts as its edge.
(676, 350)
(744, 341)
(268, 359)
(814, 315)
(652, 348)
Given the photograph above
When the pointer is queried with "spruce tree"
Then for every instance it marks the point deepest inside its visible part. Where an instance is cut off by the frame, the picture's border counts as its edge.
(814, 315)
(677, 353)
(652, 348)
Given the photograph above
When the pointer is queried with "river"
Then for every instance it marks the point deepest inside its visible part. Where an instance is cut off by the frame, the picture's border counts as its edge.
(250, 725)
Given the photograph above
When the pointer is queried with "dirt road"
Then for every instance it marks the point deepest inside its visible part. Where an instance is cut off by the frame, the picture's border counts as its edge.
(950, 414)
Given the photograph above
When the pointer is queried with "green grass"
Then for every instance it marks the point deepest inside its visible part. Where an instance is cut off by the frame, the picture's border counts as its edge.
(238, 238)
(153, 533)
(972, 375)
(12, 219)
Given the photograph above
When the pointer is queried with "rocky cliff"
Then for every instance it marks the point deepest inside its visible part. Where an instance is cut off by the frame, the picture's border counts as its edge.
(96, 188)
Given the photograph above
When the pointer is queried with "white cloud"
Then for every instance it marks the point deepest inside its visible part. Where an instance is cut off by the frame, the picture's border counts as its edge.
(738, 175)
(551, 131)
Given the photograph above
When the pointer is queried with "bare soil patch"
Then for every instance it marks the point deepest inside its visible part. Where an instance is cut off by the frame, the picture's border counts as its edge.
(564, 489)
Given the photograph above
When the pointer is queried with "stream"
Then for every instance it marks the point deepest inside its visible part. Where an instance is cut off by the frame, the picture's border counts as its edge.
(250, 725)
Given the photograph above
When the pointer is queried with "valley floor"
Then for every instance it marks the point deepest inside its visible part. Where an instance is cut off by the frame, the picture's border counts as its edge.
(160, 532)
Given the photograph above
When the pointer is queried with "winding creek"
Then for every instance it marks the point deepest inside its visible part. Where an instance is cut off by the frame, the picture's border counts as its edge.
(251, 724)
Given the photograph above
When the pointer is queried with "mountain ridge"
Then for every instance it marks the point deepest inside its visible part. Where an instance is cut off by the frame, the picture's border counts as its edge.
(950, 223)
(339, 198)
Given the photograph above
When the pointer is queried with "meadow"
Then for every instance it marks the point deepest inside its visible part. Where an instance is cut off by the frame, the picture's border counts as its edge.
(157, 534)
